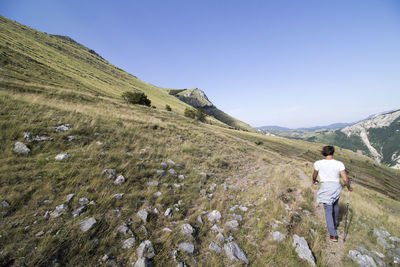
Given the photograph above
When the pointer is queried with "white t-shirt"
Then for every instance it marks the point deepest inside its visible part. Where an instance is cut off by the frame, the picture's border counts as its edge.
(329, 169)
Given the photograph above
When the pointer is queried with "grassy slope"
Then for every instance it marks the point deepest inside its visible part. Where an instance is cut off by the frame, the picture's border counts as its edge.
(256, 175)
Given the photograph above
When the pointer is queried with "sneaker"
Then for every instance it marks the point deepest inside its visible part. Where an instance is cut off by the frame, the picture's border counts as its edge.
(334, 238)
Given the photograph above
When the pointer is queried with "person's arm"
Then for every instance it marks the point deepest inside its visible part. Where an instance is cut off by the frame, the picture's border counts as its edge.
(314, 176)
(346, 180)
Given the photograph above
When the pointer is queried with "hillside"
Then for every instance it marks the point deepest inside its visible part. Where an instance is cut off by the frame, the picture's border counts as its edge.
(89, 180)
(32, 58)
(377, 137)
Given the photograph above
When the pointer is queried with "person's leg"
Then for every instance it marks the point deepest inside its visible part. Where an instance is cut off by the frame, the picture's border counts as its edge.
(329, 219)
(336, 213)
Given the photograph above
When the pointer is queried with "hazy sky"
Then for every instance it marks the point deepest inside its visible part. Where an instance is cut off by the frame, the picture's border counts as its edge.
(288, 63)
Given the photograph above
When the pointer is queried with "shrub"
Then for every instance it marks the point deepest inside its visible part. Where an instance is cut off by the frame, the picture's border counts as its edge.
(190, 113)
(201, 115)
(136, 98)
(197, 114)
(168, 107)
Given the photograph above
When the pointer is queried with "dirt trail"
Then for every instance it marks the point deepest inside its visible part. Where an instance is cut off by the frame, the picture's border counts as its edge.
(334, 251)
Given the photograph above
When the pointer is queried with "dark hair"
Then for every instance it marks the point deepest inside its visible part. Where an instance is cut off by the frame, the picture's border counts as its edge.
(328, 151)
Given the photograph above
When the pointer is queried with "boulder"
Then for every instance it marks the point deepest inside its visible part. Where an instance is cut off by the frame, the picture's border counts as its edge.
(145, 250)
(303, 249)
(215, 228)
(123, 229)
(143, 262)
(83, 201)
(87, 224)
(120, 180)
(142, 214)
(220, 237)
(362, 260)
(186, 247)
(21, 148)
(234, 253)
(214, 247)
(214, 216)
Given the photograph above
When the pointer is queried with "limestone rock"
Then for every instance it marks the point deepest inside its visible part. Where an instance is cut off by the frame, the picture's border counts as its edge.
(199, 219)
(217, 229)
(120, 180)
(164, 165)
(145, 250)
(69, 197)
(143, 262)
(173, 172)
(142, 214)
(278, 236)
(233, 225)
(161, 173)
(168, 213)
(182, 177)
(214, 216)
(21, 148)
(128, 243)
(220, 237)
(157, 194)
(118, 196)
(186, 247)
(111, 173)
(124, 229)
(78, 211)
(362, 260)
(62, 128)
(171, 162)
(234, 253)
(87, 224)
(303, 249)
(62, 156)
(187, 229)
(5, 204)
(214, 247)
(152, 183)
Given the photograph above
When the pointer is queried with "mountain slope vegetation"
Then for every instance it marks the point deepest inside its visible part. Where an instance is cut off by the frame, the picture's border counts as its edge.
(87, 179)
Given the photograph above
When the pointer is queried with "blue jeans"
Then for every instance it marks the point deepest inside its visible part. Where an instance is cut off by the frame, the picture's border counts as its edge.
(332, 217)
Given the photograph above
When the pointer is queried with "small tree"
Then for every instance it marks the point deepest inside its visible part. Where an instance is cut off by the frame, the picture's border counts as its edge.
(168, 107)
(201, 115)
(190, 113)
(136, 98)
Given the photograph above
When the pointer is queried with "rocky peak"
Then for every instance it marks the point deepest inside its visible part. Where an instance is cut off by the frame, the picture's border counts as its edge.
(195, 97)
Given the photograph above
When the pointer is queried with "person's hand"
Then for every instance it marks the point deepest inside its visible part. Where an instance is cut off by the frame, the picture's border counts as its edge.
(315, 182)
(350, 188)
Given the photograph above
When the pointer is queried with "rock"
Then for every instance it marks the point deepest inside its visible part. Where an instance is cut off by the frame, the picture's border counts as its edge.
(381, 233)
(128, 243)
(156, 211)
(62, 156)
(164, 165)
(21, 148)
(5, 204)
(69, 197)
(242, 208)
(39, 234)
(152, 183)
(99, 143)
(186, 247)
(37, 138)
(124, 229)
(166, 229)
(173, 172)
(168, 213)
(278, 236)
(214, 247)
(394, 239)
(102, 154)
(362, 260)
(47, 201)
(87, 224)
(233, 225)
(214, 216)
(71, 137)
(62, 128)
(143, 262)
(145, 250)
(142, 214)
(220, 237)
(187, 229)
(204, 175)
(143, 229)
(199, 219)
(210, 196)
(203, 192)
(234, 253)
(118, 196)
(120, 180)
(303, 249)
(61, 207)
(92, 202)
(215, 228)
(182, 177)
(171, 162)
(237, 217)
(212, 187)
(362, 249)
(110, 172)
(157, 194)
(83, 201)
(161, 173)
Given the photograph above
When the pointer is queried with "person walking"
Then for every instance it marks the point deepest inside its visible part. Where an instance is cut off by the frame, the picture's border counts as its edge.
(329, 171)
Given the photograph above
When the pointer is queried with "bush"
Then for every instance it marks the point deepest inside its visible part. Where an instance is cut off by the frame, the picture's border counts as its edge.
(190, 113)
(136, 98)
(201, 115)
(168, 107)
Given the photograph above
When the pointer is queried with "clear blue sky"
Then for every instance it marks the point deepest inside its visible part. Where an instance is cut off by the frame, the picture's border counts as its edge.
(288, 63)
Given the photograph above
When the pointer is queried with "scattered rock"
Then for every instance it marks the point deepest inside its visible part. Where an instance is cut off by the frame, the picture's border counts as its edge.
(199, 219)
(118, 196)
(143, 262)
(166, 229)
(78, 211)
(278, 236)
(215, 228)
(71, 137)
(394, 239)
(152, 183)
(145, 250)
(186, 247)
(69, 197)
(124, 229)
(203, 192)
(62, 207)
(99, 143)
(212, 187)
(242, 208)
(21, 148)
(128, 243)
(214, 216)
(120, 180)
(168, 213)
(220, 237)
(173, 172)
(62, 156)
(156, 211)
(129, 154)
(142, 214)
(237, 217)
(362, 249)
(187, 229)
(161, 173)
(5, 204)
(234, 253)
(205, 175)
(303, 249)
(110, 172)
(164, 165)
(83, 201)
(214, 247)
(47, 201)
(233, 225)
(182, 177)
(362, 260)
(37, 138)
(157, 194)
(171, 162)
(87, 224)
(62, 128)
(39, 234)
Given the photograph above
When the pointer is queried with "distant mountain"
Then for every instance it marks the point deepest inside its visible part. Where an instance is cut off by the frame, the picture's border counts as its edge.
(279, 128)
(315, 128)
(377, 137)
